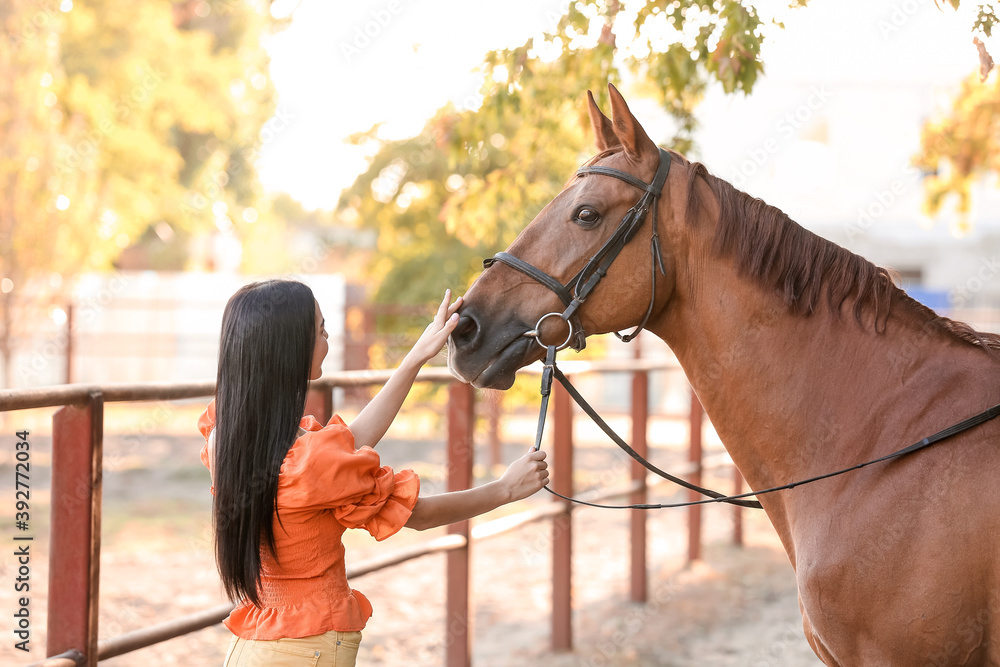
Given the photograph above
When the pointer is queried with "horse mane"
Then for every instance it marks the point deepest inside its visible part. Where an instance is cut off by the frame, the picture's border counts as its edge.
(778, 253)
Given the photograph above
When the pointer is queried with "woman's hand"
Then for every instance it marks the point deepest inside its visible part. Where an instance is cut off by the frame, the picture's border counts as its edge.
(436, 334)
(373, 421)
(523, 478)
(526, 475)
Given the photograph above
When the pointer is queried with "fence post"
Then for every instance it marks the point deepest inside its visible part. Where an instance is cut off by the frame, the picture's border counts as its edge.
(694, 456)
(75, 542)
(70, 324)
(461, 420)
(640, 416)
(319, 403)
(562, 525)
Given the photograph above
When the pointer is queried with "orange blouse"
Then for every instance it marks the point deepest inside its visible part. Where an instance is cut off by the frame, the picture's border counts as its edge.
(324, 487)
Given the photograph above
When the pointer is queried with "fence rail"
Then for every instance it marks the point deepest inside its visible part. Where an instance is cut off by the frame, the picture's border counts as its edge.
(77, 439)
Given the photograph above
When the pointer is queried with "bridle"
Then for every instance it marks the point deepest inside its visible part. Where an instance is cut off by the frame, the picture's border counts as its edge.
(575, 292)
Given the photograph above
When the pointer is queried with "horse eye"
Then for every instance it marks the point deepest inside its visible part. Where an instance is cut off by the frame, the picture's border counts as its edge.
(587, 216)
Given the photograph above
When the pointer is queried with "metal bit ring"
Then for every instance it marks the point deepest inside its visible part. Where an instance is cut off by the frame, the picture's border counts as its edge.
(536, 333)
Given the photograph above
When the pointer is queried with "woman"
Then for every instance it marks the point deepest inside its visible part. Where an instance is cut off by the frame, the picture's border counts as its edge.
(286, 487)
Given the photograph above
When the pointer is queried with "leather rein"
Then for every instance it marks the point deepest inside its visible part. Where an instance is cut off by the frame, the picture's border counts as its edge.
(574, 293)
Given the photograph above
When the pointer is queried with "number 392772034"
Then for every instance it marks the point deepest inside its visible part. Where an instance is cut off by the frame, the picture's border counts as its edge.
(22, 480)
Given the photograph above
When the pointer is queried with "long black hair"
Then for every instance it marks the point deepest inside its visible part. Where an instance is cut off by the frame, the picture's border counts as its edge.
(265, 357)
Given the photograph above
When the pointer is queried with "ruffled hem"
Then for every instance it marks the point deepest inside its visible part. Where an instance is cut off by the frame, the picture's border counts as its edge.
(312, 617)
(397, 508)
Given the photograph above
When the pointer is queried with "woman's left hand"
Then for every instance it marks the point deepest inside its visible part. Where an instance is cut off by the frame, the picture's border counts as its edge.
(436, 334)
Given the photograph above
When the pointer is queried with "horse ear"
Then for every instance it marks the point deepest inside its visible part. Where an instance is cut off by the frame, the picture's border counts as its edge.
(604, 131)
(628, 130)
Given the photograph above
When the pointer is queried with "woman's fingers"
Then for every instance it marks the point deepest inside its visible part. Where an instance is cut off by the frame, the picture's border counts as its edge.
(446, 309)
(449, 325)
(442, 311)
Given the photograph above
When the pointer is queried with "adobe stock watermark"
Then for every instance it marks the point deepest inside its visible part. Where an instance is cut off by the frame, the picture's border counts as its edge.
(87, 312)
(970, 633)
(535, 553)
(777, 652)
(29, 24)
(211, 188)
(898, 16)
(71, 157)
(116, 458)
(605, 652)
(881, 201)
(379, 20)
(124, 616)
(785, 128)
(987, 271)
(554, 14)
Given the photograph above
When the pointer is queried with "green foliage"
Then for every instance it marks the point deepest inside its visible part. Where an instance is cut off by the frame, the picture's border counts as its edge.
(472, 180)
(960, 148)
(466, 186)
(690, 43)
(403, 197)
(120, 119)
(985, 20)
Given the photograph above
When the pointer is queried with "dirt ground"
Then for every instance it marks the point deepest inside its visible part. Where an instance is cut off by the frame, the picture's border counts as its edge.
(735, 607)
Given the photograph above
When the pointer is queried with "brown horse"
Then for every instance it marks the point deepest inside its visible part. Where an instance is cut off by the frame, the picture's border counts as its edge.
(808, 359)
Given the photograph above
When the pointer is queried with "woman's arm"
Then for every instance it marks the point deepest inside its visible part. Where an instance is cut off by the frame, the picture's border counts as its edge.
(374, 420)
(524, 477)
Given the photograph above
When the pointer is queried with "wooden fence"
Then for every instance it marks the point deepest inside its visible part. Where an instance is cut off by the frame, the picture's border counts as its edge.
(75, 548)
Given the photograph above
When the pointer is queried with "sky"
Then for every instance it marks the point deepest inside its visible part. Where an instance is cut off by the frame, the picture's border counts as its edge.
(340, 68)
(837, 118)
(880, 67)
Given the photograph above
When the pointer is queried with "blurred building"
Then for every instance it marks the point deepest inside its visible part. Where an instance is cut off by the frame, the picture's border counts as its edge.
(147, 326)
(830, 133)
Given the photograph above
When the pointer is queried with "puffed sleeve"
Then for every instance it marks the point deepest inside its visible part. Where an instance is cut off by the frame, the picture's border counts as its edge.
(323, 470)
(206, 424)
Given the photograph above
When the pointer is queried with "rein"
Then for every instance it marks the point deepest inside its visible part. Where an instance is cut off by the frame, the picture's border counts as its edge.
(574, 293)
(551, 371)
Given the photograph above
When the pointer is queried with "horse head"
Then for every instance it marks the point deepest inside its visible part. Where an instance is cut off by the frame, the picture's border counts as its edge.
(505, 321)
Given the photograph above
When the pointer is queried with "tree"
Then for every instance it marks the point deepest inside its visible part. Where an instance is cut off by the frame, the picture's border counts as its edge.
(474, 177)
(961, 148)
(464, 187)
(118, 122)
(27, 152)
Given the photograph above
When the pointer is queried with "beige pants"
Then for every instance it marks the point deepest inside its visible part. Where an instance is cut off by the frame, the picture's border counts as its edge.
(331, 649)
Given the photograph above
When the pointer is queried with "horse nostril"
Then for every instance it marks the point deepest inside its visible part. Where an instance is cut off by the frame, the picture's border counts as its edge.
(466, 330)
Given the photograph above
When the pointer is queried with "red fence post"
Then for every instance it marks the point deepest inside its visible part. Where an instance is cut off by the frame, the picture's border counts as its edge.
(75, 543)
(694, 456)
(562, 526)
(319, 403)
(640, 417)
(461, 420)
(359, 334)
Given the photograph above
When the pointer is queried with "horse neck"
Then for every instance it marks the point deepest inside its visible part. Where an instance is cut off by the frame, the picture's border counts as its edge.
(755, 369)
(778, 386)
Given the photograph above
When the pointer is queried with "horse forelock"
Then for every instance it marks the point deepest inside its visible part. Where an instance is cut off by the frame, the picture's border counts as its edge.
(594, 160)
(603, 154)
(778, 253)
